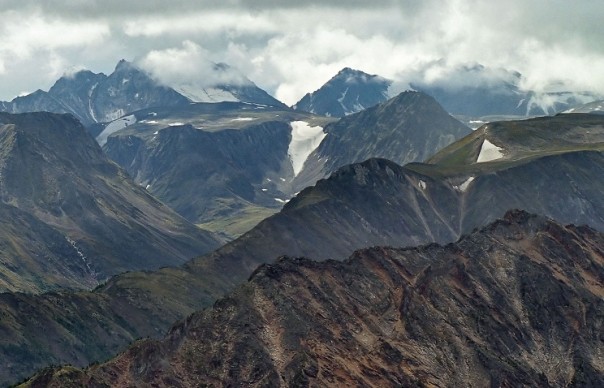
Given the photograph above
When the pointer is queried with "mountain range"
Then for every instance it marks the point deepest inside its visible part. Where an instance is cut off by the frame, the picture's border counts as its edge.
(475, 94)
(517, 303)
(90, 261)
(237, 163)
(97, 98)
(72, 218)
(373, 203)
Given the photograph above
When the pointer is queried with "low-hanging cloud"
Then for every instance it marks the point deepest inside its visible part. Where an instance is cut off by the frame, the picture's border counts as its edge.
(189, 65)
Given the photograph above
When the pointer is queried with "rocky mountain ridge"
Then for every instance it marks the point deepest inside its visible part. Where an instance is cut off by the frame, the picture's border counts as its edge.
(519, 302)
(242, 159)
(372, 203)
(97, 98)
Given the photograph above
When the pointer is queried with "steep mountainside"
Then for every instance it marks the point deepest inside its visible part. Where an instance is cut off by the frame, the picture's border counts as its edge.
(407, 128)
(213, 163)
(235, 161)
(372, 203)
(518, 303)
(72, 217)
(98, 98)
(34, 102)
(349, 91)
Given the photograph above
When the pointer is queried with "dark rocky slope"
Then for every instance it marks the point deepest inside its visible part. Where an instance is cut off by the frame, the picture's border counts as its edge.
(212, 163)
(72, 217)
(518, 303)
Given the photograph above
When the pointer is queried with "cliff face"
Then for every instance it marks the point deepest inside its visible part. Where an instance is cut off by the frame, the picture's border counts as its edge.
(518, 303)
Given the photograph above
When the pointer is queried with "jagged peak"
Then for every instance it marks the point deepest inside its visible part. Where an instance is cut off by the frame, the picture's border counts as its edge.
(123, 65)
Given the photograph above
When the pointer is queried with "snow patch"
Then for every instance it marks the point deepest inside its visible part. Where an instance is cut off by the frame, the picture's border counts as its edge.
(422, 185)
(243, 119)
(464, 186)
(113, 127)
(90, 92)
(197, 94)
(305, 139)
(489, 152)
(280, 200)
(176, 124)
(112, 116)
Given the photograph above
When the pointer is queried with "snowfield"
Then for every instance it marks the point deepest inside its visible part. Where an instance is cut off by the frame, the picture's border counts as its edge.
(464, 186)
(305, 139)
(113, 127)
(200, 94)
(489, 152)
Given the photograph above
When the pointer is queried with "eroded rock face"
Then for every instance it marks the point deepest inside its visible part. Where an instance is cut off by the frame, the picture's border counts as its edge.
(518, 303)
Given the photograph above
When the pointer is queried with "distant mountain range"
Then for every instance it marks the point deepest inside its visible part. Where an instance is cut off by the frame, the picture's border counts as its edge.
(98, 98)
(470, 92)
(72, 218)
(515, 303)
(594, 107)
(475, 94)
(471, 183)
(217, 164)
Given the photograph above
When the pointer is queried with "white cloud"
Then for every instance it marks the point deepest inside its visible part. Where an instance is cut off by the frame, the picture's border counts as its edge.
(192, 23)
(290, 47)
(34, 49)
(23, 35)
(189, 65)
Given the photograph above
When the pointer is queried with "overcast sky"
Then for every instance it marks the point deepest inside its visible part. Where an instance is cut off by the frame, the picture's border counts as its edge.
(292, 47)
